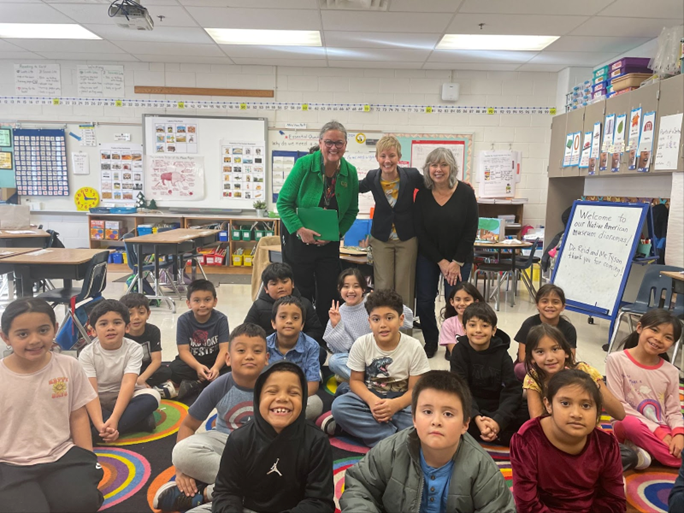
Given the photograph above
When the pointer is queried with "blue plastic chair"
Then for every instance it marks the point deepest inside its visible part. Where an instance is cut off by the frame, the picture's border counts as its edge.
(654, 288)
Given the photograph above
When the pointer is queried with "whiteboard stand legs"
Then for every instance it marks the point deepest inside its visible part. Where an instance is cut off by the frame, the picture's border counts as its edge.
(616, 329)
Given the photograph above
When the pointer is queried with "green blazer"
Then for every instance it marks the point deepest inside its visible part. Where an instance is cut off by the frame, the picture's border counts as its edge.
(304, 188)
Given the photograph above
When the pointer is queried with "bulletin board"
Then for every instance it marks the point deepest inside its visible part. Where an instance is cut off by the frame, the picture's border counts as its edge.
(40, 167)
(415, 147)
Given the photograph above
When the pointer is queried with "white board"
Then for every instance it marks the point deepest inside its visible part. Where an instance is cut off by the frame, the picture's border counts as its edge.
(597, 252)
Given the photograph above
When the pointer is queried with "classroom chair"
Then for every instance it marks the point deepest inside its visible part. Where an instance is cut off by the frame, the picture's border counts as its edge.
(655, 291)
(94, 283)
(165, 269)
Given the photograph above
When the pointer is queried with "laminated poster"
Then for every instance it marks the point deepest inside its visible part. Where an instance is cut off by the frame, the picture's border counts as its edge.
(176, 136)
(595, 148)
(607, 145)
(586, 150)
(497, 174)
(576, 149)
(121, 172)
(363, 162)
(669, 137)
(281, 170)
(618, 142)
(646, 142)
(568, 150)
(244, 175)
(179, 177)
(634, 132)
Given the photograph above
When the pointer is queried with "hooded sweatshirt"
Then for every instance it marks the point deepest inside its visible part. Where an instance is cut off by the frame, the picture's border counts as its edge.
(496, 391)
(262, 309)
(269, 472)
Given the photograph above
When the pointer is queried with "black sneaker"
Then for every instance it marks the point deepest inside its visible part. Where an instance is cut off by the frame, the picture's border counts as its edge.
(170, 498)
(605, 347)
(188, 387)
(149, 424)
(430, 351)
(447, 354)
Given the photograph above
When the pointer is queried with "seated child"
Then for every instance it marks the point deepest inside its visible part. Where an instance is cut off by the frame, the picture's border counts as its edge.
(481, 359)
(550, 300)
(202, 339)
(436, 456)
(385, 365)
(350, 320)
(46, 451)
(112, 364)
(563, 462)
(278, 281)
(546, 354)
(291, 344)
(648, 388)
(676, 499)
(463, 294)
(278, 462)
(152, 372)
(197, 456)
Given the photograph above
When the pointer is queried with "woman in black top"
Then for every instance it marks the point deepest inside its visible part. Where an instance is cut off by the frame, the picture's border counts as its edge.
(446, 223)
(393, 237)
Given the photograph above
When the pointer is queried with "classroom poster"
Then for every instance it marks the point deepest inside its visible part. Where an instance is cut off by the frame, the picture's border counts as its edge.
(595, 148)
(177, 135)
(646, 142)
(618, 142)
(607, 145)
(280, 169)
(421, 149)
(38, 80)
(178, 177)
(586, 150)
(363, 162)
(634, 133)
(244, 175)
(98, 81)
(568, 149)
(80, 163)
(669, 136)
(576, 150)
(121, 172)
(40, 162)
(497, 174)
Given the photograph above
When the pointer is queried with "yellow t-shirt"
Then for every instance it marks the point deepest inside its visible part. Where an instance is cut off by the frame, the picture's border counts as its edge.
(531, 384)
(391, 190)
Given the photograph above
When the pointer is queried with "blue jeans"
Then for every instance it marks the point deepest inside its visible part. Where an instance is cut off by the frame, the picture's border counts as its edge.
(338, 364)
(353, 415)
(427, 284)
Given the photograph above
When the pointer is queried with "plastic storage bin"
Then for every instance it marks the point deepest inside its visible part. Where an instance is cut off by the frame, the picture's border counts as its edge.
(246, 234)
(235, 234)
(144, 229)
(358, 231)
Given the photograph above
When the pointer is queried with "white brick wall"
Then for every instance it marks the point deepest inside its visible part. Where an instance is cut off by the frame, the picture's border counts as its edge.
(530, 134)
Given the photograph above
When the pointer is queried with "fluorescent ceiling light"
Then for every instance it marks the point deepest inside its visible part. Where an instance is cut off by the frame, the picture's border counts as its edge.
(488, 42)
(44, 31)
(265, 37)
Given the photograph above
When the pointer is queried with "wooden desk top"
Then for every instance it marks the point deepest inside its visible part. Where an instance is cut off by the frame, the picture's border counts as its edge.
(675, 275)
(172, 236)
(55, 256)
(10, 252)
(501, 245)
(24, 233)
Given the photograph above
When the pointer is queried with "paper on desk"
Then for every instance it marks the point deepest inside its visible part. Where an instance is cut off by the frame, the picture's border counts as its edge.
(40, 252)
(512, 241)
(17, 232)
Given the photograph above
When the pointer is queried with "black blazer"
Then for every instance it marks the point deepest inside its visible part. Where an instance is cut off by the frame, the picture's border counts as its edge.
(402, 213)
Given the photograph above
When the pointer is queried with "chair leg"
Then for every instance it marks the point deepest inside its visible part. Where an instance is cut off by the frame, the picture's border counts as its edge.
(616, 328)
(527, 281)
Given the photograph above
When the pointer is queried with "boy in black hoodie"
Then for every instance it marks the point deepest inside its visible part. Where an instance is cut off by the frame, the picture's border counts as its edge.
(481, 358)
(278, 462)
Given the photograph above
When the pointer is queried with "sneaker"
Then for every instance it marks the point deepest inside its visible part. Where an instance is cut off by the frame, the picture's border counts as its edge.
(170, 498)
(605, 347)
(149, 424)
(430, 351)
(327, 424)
(447, 354)
(340, 379)
(643, 457)
(188, 388)
(167, 390)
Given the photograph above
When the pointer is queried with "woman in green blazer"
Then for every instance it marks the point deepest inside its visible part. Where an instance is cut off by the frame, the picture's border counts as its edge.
(322, 179)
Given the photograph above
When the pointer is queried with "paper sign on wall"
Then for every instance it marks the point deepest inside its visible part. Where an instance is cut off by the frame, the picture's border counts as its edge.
(568, 149)
(646, 142)
(363, 162)
(496, 178)
(586, 150)
(669, 137)
(80, 163)
(176, 136)
(87, 135)
(618, 142)
(107, 81)
(607, 145)
(576, 149)
(178, 177)
(121, 172)
(595, 148)
(38, 80)
(634, 132)
(244, 175)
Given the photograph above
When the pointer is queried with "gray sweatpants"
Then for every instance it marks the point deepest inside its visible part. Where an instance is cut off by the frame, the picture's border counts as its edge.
(199, 456)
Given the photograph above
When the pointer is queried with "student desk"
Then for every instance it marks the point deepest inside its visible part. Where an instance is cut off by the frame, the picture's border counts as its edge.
(23, 238)
(171, 242)
(677, 280)
(499, 247)
(47, 264)
(348, 255)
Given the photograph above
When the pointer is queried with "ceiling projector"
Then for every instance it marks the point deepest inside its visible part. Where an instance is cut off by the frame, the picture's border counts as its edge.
(129, 14)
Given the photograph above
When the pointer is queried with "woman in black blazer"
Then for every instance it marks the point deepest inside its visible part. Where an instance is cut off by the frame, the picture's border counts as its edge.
(393, 237)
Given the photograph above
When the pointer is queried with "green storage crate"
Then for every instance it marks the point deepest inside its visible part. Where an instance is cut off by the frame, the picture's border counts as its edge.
(258, 234)
(235, 234)
(246, 234)
(269, 233)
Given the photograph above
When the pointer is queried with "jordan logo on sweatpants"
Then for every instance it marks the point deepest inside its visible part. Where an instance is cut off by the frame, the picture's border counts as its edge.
(274, 468)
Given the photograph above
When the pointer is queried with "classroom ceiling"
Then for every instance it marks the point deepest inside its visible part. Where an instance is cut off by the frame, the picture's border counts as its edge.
(403, 35)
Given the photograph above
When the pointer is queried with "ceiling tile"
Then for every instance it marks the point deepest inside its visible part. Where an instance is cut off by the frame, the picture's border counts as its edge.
(586, 59)
(294, 63)
(22, 12)
(576, 7)
(135, 47)
(190, 35)
(194, 59)
(377, 54)
(635, 27)
(270, 19)
(253, 4)
(671, 9)
(274, 52)
(470, 66)
(174, 16)
(520, 24)
(595, 44)
(480, 56)
(425, 6)
(550, 68)
(88, 57)
(67, 45)
(7, 45)
(376, 64)
(380, 40)
(18, 56)
(354, 21)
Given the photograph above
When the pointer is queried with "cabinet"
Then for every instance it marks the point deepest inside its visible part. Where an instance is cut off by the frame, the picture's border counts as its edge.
(593, 114)
(558, 132)
(671, 102)
(575, 124)
(618, 105)
(499, 209)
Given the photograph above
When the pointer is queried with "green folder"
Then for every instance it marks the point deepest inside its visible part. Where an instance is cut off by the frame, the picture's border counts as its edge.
(320, 220)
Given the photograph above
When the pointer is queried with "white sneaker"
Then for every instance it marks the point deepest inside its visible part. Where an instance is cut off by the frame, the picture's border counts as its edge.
(643, 457)
(167, 390)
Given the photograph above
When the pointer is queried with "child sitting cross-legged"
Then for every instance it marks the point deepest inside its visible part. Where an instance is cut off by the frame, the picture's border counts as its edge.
(197, 456)
(385, 365)
(436, 466)
(291, 344)
(47, 462)
(481, 359)
(112, 364)
(277, 462)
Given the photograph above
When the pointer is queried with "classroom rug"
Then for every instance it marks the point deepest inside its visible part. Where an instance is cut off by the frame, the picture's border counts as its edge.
(138, 464)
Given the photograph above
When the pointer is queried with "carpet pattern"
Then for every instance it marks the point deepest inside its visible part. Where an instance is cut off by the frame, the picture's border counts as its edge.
(138, 464)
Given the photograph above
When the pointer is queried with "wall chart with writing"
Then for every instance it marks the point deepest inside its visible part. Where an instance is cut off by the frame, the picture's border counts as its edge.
(41, 162)
(38, 79)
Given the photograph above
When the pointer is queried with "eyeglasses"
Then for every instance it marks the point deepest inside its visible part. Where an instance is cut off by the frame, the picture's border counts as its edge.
(337, 144)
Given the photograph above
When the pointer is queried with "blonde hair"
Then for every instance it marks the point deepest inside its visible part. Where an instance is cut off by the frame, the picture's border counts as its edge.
(387, 142)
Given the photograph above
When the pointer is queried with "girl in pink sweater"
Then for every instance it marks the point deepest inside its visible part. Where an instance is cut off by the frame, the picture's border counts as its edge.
(463, 294)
